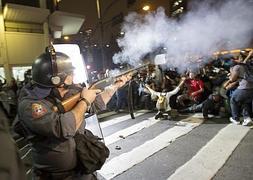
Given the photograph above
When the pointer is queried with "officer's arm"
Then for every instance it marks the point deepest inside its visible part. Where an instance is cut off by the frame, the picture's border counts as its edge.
(88, 96)
(78, 111)
(107, 94)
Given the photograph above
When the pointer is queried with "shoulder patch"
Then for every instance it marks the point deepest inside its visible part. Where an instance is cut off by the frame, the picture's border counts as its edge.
(38, 110)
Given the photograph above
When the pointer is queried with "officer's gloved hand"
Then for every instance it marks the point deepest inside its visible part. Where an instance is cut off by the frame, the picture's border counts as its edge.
(90, 94)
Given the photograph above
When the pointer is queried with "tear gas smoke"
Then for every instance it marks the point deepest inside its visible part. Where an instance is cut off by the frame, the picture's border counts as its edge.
(199, 33)
(114, 72)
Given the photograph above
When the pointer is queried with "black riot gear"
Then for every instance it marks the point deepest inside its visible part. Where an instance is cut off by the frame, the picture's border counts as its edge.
(51, 68)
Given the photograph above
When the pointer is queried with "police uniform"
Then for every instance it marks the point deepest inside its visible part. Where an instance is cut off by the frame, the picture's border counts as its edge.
(50, 133)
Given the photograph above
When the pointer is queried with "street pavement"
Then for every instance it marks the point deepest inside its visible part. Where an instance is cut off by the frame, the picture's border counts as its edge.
(185, 148)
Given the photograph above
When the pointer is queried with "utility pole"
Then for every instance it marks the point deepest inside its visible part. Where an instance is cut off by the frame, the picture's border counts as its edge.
(100, 18)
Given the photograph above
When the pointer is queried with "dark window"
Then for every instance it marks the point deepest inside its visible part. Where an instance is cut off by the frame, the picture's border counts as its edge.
(33, 3)
(130, 2)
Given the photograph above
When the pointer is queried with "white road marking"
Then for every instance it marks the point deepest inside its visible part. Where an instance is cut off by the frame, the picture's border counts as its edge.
(130, 130)
(26, 154)
(127, 160)
(206, 163)
(107, 114)
(118, 120)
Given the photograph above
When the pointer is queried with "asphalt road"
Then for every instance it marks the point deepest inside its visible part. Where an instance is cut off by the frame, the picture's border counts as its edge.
(183, 148)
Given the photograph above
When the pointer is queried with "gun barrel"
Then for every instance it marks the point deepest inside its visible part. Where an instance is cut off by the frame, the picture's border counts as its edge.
(133, 70)
(101, 84)
(235, 51)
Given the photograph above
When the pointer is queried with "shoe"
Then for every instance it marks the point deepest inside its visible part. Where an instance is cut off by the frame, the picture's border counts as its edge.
(166, 117)
(247, 122)
(234, 121)
(158, 115)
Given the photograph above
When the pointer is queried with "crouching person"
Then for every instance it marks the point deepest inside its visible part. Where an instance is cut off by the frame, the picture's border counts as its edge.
(163, 101)
(214, 105)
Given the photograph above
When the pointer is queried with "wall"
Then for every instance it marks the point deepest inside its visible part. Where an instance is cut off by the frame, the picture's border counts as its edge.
(23, 48)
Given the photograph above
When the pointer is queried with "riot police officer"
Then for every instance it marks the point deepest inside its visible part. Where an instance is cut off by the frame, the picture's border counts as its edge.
(51, 133)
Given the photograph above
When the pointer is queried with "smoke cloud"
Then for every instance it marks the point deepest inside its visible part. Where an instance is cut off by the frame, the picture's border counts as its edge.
(200, 32)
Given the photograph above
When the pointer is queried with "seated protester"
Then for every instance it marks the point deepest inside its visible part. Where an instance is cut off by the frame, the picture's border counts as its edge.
(194, 90)
(214, 104)
(243, 95)
(163, 101)
(170, 80)
(204, 76)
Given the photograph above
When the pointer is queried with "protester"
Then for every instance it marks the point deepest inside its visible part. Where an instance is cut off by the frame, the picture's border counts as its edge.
(214, 105)
(163, 101)
(241, 99)
(194, 90)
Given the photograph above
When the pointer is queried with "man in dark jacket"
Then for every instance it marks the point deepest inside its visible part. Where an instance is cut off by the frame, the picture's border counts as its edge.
(212, 105)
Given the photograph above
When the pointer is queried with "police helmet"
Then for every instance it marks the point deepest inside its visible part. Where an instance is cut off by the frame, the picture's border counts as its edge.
(51, 68)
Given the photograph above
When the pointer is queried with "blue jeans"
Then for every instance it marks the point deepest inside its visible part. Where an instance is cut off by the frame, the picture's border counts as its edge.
(241, 100)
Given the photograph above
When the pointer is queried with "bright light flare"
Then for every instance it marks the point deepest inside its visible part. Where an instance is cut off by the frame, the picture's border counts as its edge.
(73, 51)
(66, 37)
(146, 8)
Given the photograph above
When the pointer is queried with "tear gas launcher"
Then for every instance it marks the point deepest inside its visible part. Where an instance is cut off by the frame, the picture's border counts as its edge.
(70, 102)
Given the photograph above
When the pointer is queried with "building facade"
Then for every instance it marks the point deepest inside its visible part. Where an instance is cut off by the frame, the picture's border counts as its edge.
(26, 28)
(104, 19)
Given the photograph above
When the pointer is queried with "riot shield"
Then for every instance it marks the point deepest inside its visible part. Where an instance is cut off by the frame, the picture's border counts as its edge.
(93, 125)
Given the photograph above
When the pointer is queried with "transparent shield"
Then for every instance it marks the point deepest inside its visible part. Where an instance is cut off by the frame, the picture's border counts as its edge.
(92, 124)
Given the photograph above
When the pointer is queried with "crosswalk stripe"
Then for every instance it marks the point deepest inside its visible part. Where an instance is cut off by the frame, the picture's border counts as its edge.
(212, 156)
(118, 120)
(127, 160)
(130, 130)
(107, 114)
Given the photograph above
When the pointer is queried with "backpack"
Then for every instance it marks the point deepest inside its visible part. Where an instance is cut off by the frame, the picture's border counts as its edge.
(162, 102)
(91, 152)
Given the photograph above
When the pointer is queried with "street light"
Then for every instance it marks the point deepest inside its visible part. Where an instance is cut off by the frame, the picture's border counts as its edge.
(66, 37)
(146, 8)
(101, 32)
